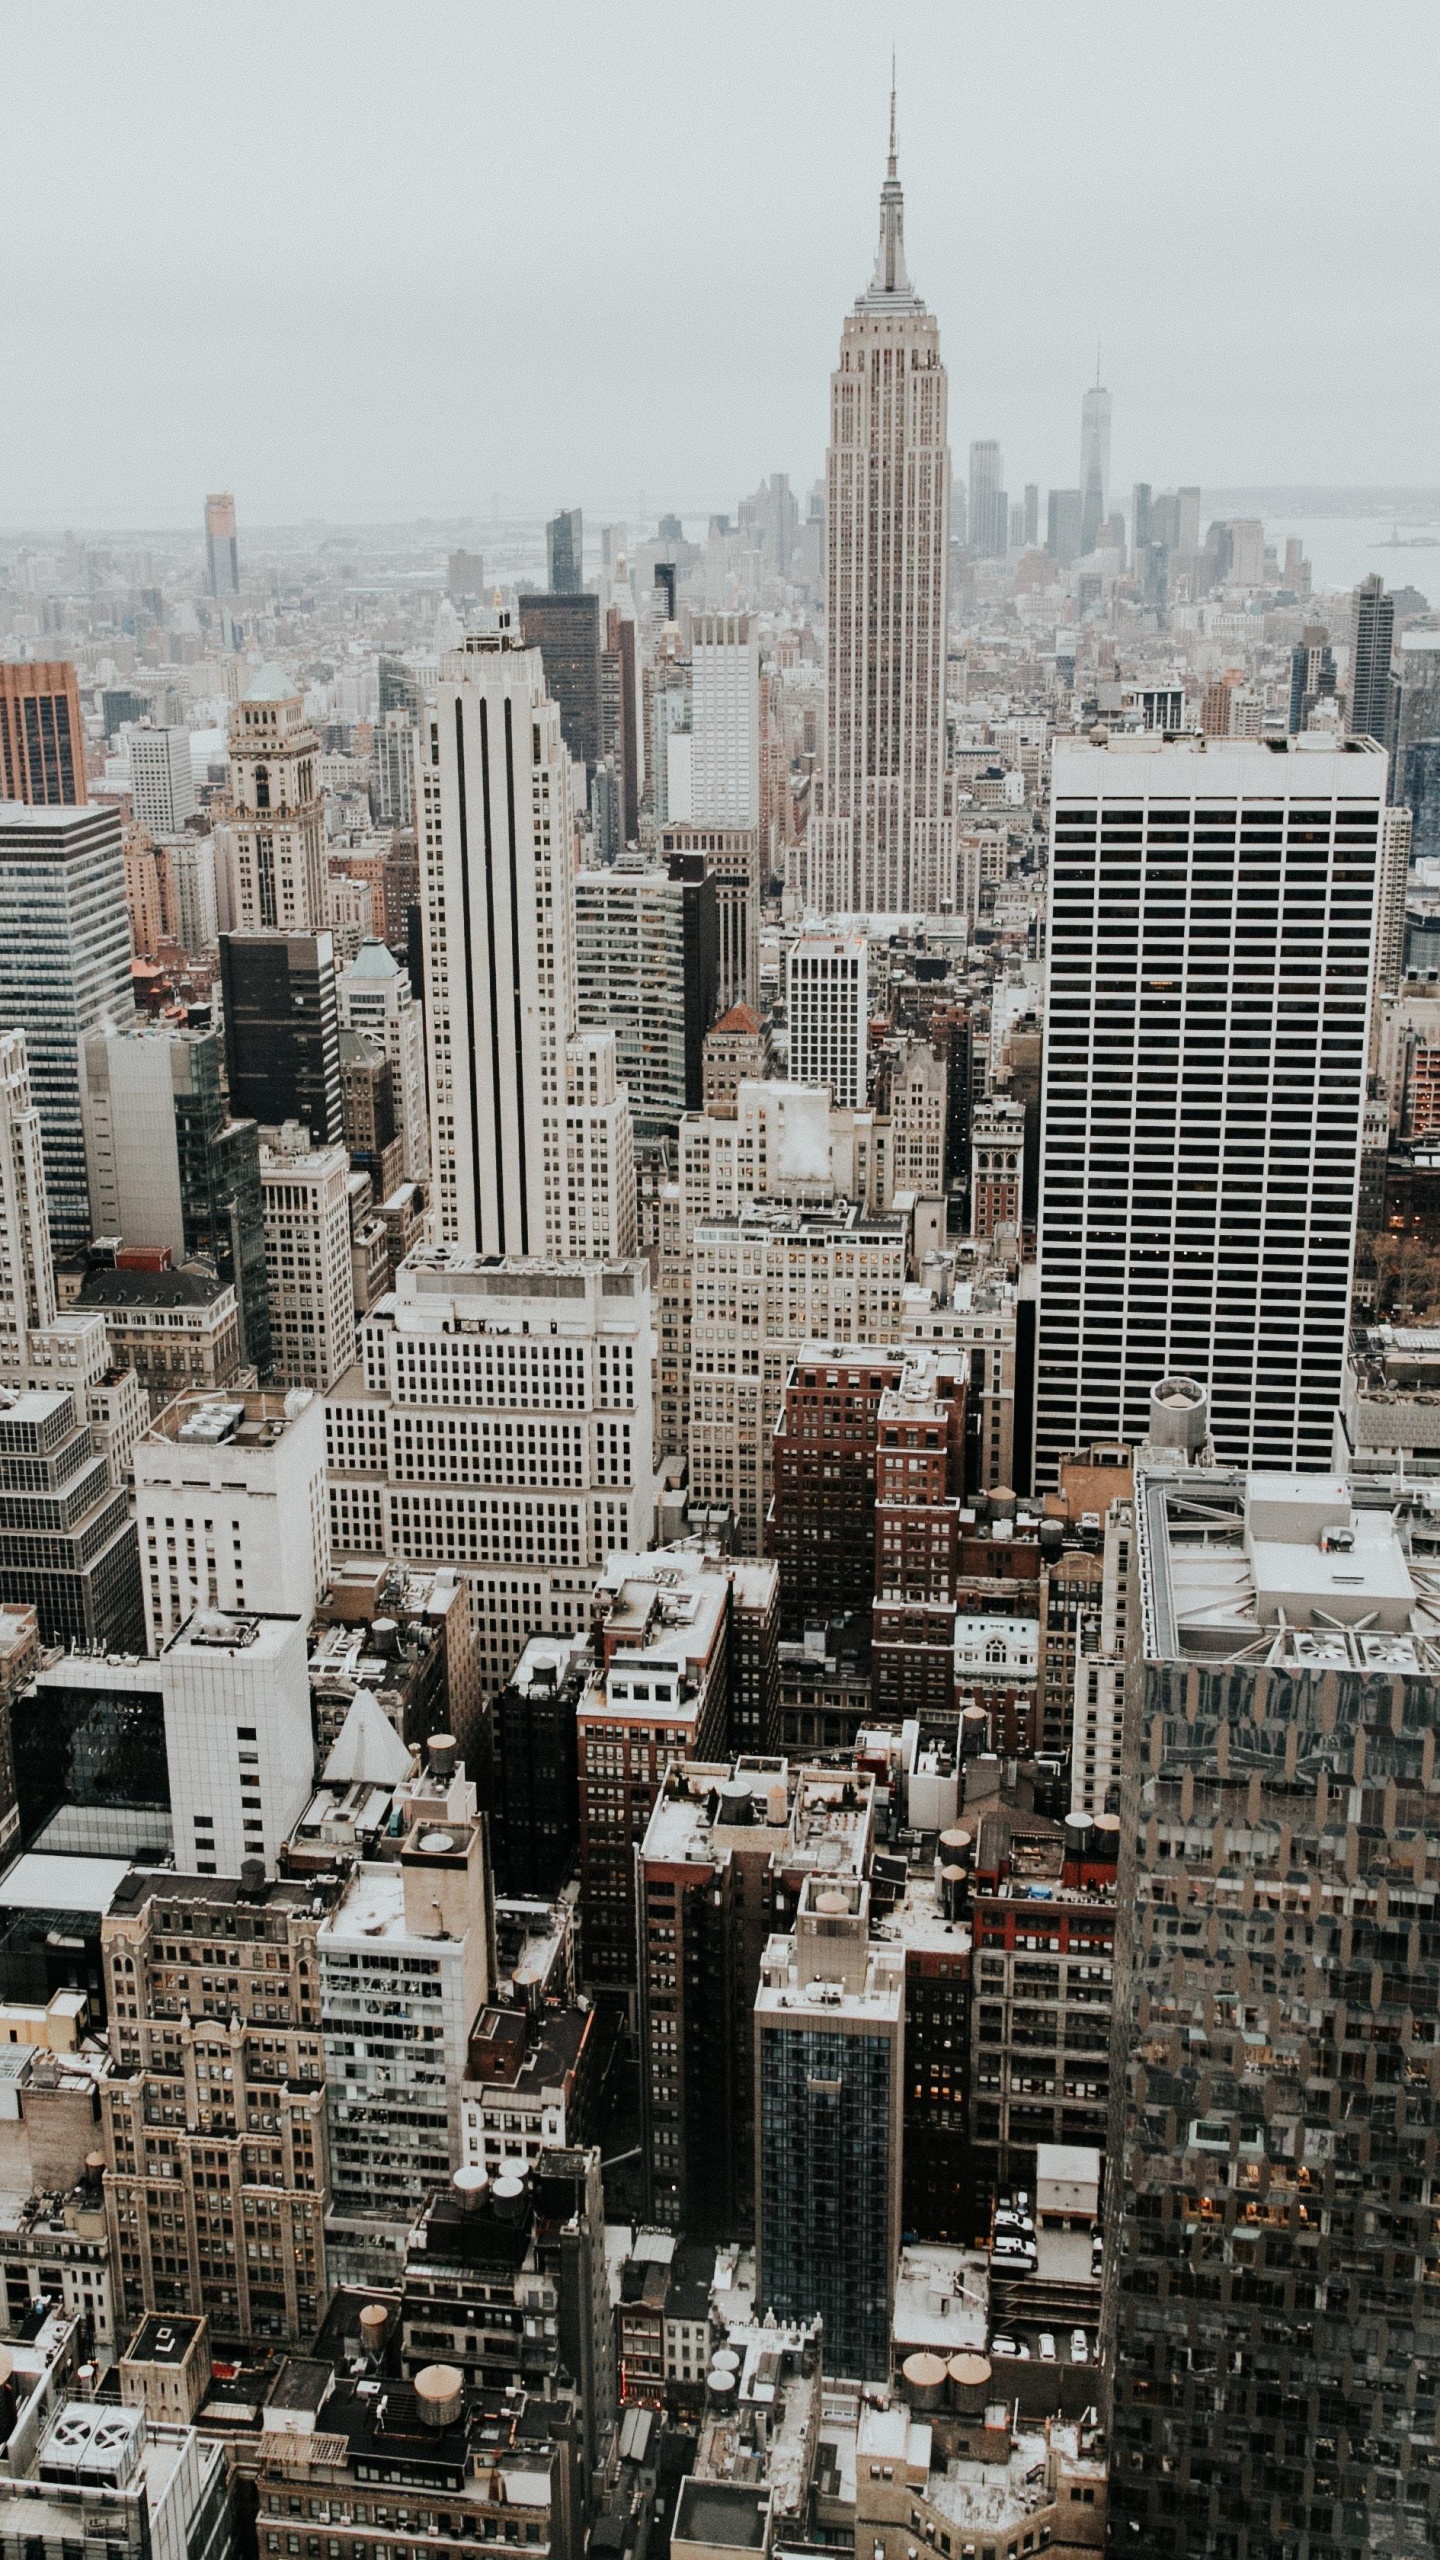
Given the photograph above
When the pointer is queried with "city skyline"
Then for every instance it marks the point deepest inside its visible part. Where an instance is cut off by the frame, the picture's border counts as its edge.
(1201, 379)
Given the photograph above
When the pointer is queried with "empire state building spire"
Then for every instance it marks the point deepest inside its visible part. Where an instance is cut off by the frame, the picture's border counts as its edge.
(890, 287)
(881, 839)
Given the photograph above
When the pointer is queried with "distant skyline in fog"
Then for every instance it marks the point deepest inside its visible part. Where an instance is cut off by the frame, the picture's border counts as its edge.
(370, 268)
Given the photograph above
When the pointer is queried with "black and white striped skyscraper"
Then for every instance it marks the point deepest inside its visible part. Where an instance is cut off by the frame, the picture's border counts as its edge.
(1209, 957)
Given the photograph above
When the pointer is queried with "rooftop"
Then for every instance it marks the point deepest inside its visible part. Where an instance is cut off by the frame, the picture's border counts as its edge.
(189, 1284)
(1282, 1569)
(272, 684)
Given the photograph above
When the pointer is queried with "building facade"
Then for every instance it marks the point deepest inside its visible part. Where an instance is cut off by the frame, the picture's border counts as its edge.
(42, 734)
(1211, 921)
(64, 970)
(527, 1131)
(277, 820)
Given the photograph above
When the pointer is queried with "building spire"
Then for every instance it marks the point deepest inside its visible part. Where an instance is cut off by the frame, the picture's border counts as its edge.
(890, 277)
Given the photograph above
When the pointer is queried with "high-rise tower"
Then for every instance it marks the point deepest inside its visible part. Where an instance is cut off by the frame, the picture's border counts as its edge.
(1094, 463)
(529, 1131)
(222, 557)
(1209, 952)
(277, 830)
(880, 839)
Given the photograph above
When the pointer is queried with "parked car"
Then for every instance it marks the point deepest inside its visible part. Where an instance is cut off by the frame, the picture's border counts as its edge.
(1003, 2347)
(1047, 2346)
(1079, 2347)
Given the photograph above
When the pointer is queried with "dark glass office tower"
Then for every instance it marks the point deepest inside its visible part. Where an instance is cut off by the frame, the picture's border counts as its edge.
(220, 1190)
(1374, 693)
(828, 2093)
(565, 628)
(565, 552)
(1422, 798)
(282, 1031)
(1270, 2274)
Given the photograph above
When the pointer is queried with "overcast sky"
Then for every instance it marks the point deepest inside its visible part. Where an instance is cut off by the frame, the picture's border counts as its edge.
(378, 259)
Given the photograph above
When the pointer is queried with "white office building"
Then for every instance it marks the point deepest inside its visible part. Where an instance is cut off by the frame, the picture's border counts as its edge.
(500, 1419)
(1211, 916)
(162, 783)
(724, 722)
(828, 999)
(231, 1508)
(239, 1744)
(497, 891)
(64, 968)
(375, 996)
(308, 1266)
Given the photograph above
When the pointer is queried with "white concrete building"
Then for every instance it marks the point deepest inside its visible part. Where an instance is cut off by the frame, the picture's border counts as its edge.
(64, 967)
(239, 1745)
(231, 1509)
(827, 992)
(374, 995)
(881, 840)
(1209, 961)
(405, 1969)
(496, 845)
(276, 831)
(162, 784)
(306, 1203)
(500, 1419)
(724, 722)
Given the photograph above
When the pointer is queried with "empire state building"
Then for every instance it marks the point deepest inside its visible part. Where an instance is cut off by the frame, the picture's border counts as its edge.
(881, 838)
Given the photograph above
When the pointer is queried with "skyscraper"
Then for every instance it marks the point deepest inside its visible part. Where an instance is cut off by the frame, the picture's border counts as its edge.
(647, 966)
(42, 736)
(827, 998)
(282, 1031)
(829, 2095)
(1312, 675)
(565, 628)
(1094, 464)
(375, 997)
(565, 552)
(1269, 2232)
(989, 500)
(724, 721)
(222, 558)
(511, 1096)
(162, 783)
(1374, 693)
(64, 969)
(880, 839)
(277, 828)
(168, 1166)
(1211, 913)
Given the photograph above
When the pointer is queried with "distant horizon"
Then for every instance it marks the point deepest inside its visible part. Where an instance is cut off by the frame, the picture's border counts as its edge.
(1320, 498)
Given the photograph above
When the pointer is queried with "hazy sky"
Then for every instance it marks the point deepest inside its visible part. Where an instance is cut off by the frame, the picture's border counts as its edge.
(375, 259)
